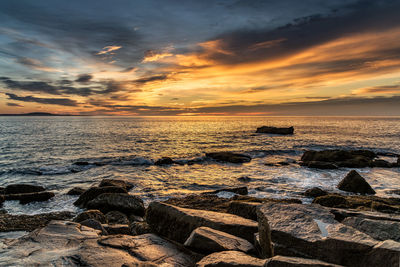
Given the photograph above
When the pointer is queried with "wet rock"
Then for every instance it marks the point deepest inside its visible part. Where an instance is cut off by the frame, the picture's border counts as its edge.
(115, 182)
(164, 161)
(76, 191)
(95, 225)
(237, 190)
(91, 214)
(9, 222)
(332, 200)
(206, 240)
(122, 202)
(313, 232)
(139, 228)
(117, 229)
(244, 209)
(382, 163)
(26, 198)
(71, 244)
(229, 157)
(244, 179)
(177, 223)
(275, 130)
(93, 192)
(315, 192)
(283, 261)
(116, 217)
(341, 158)
(230, 259)
(354, 182)
(378, 229)
(264, 233)
(22, 189)
(321, 165)
(135, 218)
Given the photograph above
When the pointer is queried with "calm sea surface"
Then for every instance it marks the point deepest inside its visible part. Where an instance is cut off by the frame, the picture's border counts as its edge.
(43, 150)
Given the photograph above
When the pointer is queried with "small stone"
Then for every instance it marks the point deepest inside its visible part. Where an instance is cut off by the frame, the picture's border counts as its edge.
(229, 157)
(122, 202)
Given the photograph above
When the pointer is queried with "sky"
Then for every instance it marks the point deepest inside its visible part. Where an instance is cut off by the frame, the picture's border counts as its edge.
(208, 57)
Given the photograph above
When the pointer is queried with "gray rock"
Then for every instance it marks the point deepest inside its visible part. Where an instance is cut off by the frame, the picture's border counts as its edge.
(354, 182)
(116, 217)
(71, 244)
(117, 229)
(177, 223)
(229, 157)
(230, 259)
(313, 232)
(91, 214)
(206, 240)
(122, 202)
(283, 261)
(95, 225)
(93, 192)
(25, 198)
(23, 189)
(275, 130)
(116, 182)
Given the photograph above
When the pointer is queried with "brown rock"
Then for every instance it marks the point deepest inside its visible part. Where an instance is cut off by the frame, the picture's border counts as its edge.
(230, 259)
(139, 228)
(115, 182)
(93, 192)
(116, 217)
(229, 157)
(91, 214)
(25, 198)
(117, 229)
(122, 202)
(354, 182)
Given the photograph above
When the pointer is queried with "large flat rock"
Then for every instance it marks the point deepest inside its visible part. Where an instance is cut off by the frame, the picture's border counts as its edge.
(178, 223)
(230, 259)
(312, 231)
(64, 243)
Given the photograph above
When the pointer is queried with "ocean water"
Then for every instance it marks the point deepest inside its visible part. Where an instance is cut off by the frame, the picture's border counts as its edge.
(43, 150)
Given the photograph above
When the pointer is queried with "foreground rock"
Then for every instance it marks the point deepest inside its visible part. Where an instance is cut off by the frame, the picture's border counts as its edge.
(275, 130)
(339, 158)
(355, 183)
(70, 244)
(122, 202)
(91, 214)
(206, 240)
(178, 223)
(26, 198)
(230, 258)
(229, 157)
(116, 217)
(93, 192)
(29, 223)
(312, 232)
(282, 261)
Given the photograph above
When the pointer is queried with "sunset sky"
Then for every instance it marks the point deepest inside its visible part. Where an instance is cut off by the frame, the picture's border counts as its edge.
(192, 57)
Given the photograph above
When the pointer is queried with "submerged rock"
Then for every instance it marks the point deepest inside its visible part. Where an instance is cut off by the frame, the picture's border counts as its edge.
(229, 157)
(206, 240)
(116, 182)
(91, 214)
(25, 198)
(164, 161)
(22, 189)
(93, 192)
(354, 182)
(275, 130)
(178, 223)
(140, 228)
(230, 259)
(340, 158)
(122, 202)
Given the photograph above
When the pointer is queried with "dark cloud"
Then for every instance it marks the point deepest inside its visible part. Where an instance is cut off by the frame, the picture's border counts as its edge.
(51, 101)
(14, 105)
(153, 78)
(84, 78)
(31, 86)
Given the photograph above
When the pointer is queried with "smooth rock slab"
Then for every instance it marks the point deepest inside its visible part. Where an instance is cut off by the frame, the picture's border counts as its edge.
(178, 223)
(230, 258)
(282, 261)
(313, 232)
(207, 240)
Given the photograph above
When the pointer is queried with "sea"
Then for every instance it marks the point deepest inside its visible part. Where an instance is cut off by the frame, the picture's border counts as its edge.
(44, 150)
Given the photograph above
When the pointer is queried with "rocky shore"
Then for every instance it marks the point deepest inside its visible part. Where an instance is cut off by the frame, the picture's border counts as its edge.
(116, 228)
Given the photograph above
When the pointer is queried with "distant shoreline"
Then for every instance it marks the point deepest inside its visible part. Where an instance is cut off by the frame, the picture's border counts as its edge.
(38, 114)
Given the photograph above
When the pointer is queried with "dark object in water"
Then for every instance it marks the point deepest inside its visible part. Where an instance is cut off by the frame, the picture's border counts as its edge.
(275, 130)
(229, 157)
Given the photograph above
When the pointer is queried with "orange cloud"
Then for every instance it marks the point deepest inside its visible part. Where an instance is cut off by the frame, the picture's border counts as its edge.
(109, 49)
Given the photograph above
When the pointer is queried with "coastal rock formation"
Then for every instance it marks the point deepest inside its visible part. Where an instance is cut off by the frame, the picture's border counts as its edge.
(122, 202)
(206, 240)
(280, 261)
(22, 189)
(95, 225)
(70, 244)
(76, 191)
(339, 158)
(25, 198)
(91, 214)
(116, 217)
(93, 192)
(231, 259)
(178, 223)
(312, 232)
(275, 130)
(229, 157)
(355, 183)
(115, 182)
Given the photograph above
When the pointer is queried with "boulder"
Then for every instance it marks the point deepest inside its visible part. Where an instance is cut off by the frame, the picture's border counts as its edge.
(91, 214)
(116, 217)
(354, 182)
(283, 261)
(230, 259)
(122, 202)
(139, 228)
(315, 192)
(71, 244)
(22, 189)
(237, 190)
(116, 182)
(275, 130)
(164, 161)
(76, 191)
(229, 157)
(312, 232)
(117, 229)
(340, 158)
(332, 200)
(244, 209)
(10, 222)
(95, 225)
(206, 240)
(93, 192)
(177, 223)
(25, 198)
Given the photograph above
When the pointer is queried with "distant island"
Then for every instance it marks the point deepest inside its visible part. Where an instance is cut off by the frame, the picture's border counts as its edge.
(37, 114)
